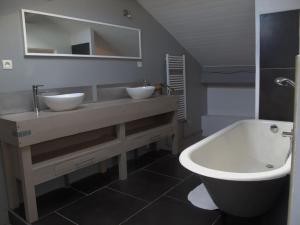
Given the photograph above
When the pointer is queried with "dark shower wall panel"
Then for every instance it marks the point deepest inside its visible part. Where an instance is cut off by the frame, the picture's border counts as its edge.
(279, 39)
(276, 103)
(279, 45)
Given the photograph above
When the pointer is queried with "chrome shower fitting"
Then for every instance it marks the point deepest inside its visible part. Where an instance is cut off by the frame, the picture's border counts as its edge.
(283, 81)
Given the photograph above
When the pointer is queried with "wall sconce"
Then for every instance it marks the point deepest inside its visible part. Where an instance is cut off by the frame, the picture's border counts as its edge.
(127, 13)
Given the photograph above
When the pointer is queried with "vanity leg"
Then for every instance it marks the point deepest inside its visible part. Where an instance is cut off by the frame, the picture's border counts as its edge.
(122, 163)
(175, 148)
(27, 184)
(174, 137)
(11, 181)
(122, 158)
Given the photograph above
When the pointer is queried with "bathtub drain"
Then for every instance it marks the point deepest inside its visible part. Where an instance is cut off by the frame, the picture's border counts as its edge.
(270, 166)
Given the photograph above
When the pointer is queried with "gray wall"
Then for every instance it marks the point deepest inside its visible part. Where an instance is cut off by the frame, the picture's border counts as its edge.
(230, 96)
(66, 72)
(57, 72)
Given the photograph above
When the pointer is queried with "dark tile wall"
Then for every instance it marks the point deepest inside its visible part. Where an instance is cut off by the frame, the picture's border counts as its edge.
(276, 102)
(279, 45)
(279, 39)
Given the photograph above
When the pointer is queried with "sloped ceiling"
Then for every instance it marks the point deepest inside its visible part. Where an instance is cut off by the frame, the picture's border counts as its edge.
(215, 32)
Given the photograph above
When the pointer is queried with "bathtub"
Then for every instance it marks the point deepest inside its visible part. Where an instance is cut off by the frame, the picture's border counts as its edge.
(244, 166)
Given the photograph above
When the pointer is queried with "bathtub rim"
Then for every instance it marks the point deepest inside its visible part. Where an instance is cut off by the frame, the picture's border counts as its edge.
(185, 160)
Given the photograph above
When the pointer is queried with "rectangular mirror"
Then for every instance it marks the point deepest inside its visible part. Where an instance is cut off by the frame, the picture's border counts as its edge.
(48, 34)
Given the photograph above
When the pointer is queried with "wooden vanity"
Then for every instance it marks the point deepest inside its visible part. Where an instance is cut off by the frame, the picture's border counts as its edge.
(39, 148)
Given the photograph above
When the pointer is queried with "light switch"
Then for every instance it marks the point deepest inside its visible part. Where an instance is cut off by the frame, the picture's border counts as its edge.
(7, 64)
(139, 64)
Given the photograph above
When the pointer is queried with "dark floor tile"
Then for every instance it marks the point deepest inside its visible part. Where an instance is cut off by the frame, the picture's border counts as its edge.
(169, 211)
(14, 220)
(53, 219)
(146, 159)
(170, 166)
(181, 191)
(96, 181)
(99, 180)
(145, 185)
(53, 200)
(105, 207)
(232, 220)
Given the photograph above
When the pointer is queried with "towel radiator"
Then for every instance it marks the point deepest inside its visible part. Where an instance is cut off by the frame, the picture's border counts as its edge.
(176, 80)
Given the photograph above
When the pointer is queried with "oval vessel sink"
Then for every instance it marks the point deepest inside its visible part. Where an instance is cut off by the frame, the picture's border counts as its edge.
(63, 102)
(140, 92)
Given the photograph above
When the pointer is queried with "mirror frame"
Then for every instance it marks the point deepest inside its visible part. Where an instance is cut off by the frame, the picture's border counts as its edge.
(26, 53)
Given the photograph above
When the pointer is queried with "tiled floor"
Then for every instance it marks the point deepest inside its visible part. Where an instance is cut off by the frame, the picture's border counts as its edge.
(155, 193)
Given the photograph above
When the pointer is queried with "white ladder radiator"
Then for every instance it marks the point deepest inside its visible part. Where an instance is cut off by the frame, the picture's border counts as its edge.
(176, 81)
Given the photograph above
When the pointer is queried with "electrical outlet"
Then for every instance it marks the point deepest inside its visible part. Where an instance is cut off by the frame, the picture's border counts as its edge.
(139, 64)
(7, 64)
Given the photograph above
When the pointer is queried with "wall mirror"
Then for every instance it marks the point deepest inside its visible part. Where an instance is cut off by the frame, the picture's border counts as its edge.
(48, 34)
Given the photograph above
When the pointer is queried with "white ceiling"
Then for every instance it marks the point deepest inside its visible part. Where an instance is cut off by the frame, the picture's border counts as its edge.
(215, 32)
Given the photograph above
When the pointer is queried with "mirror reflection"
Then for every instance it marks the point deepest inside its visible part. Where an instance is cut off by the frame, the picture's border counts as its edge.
(59, 36)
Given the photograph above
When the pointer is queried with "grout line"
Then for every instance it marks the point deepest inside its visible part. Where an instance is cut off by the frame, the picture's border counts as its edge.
(217, 219)
(70, 203)
(124, 193)
(155, 161)
(157, 173)
(18, 217)
(101, 188)
(66, 218)
(81, 192)
(176, 199)
(156, 199)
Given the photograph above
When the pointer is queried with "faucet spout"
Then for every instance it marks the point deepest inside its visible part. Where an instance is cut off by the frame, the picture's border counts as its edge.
(35, 95)
(287, 134)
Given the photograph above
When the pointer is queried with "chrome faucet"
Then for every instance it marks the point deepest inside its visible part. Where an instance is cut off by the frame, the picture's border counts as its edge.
(283, 81)
(289, 134)
(35, 95)
(145, 83)
(170, 90)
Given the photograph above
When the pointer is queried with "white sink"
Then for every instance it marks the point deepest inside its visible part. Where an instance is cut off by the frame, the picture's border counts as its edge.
(63, 102)
(140, 92)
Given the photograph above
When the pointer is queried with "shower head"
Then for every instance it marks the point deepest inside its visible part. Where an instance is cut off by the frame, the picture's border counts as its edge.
(283, 81)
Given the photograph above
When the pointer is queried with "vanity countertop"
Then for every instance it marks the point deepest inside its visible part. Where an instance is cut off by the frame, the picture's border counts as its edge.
(20, 117)
(28, 128)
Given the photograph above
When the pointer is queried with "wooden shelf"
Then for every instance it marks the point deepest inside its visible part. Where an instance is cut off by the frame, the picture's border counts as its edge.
(144, 124)
(67, 145)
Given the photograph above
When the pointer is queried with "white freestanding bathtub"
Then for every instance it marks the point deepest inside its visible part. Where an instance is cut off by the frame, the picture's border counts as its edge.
(243, 166)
